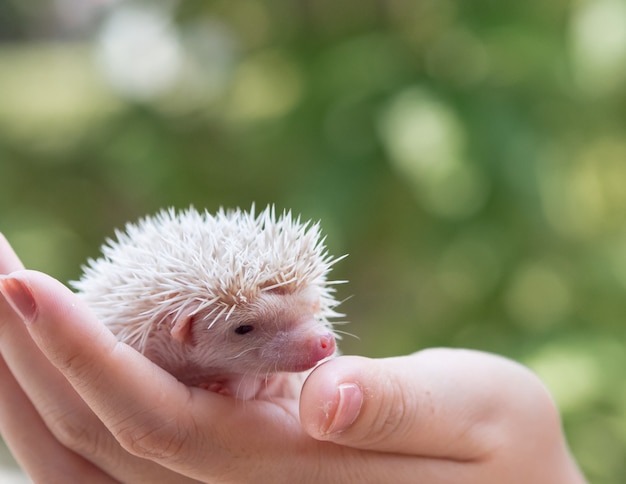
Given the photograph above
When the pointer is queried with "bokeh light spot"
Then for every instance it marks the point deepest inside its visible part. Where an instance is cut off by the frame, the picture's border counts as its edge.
(584, 196)
(139, 50)
(598, 44)
(51, 114)
(426, 143)
(265, 86)
(538, 296)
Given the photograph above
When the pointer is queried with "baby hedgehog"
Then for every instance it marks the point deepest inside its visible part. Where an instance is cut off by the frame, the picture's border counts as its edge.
(220, 301)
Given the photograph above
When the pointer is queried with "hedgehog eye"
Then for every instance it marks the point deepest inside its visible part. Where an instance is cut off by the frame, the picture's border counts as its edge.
(244, 328)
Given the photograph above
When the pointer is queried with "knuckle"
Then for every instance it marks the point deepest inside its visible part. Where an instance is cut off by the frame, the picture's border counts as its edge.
(537, 407)
(76, 367)
(534, 410)
(389, 418)
(69, 428)
(81, 364)
(164, 441)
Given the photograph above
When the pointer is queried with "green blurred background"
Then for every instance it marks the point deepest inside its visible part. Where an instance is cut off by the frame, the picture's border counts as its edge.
(470, 157)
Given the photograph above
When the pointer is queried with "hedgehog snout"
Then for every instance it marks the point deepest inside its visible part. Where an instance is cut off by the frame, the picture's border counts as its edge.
(300, 350)
(314, 347)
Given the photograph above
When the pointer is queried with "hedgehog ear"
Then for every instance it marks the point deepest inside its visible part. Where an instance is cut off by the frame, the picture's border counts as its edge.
(181, 329)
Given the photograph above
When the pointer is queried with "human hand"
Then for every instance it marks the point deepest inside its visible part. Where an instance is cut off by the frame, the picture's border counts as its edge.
(50, 430)
(77, 406)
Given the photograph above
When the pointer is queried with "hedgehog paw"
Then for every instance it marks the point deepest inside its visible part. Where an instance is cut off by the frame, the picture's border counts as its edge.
(216, 387)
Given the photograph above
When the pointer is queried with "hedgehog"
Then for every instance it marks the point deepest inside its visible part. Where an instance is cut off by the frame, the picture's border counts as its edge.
(223, 302)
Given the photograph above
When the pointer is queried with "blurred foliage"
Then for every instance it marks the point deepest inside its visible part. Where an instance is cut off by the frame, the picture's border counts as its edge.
(469, 156)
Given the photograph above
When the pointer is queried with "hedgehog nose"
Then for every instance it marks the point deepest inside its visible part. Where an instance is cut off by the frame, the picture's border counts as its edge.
(327, 342)
(324, 345)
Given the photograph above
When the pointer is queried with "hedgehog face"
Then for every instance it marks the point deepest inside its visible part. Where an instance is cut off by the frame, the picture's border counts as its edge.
(275, 332)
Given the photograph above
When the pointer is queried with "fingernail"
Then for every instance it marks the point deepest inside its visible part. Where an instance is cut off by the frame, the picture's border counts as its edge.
(349, 400)
(20, 298)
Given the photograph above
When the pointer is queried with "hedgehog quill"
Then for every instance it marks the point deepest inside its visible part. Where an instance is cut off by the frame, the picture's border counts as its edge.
(220, 301)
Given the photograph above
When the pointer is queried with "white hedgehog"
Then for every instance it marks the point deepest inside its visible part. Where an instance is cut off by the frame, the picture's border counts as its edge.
(220, 301)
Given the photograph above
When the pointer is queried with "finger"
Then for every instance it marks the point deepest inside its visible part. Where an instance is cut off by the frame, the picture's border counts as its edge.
(37, 451)
(56, 404)
(22, 428)
(118, 384)
(53, 397)
(65, 414)
(441, 403)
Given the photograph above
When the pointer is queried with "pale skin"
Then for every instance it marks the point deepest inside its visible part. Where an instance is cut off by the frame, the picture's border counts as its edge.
(78, 406)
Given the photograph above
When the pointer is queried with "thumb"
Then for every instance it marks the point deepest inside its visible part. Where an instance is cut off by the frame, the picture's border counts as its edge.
(435, 403)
